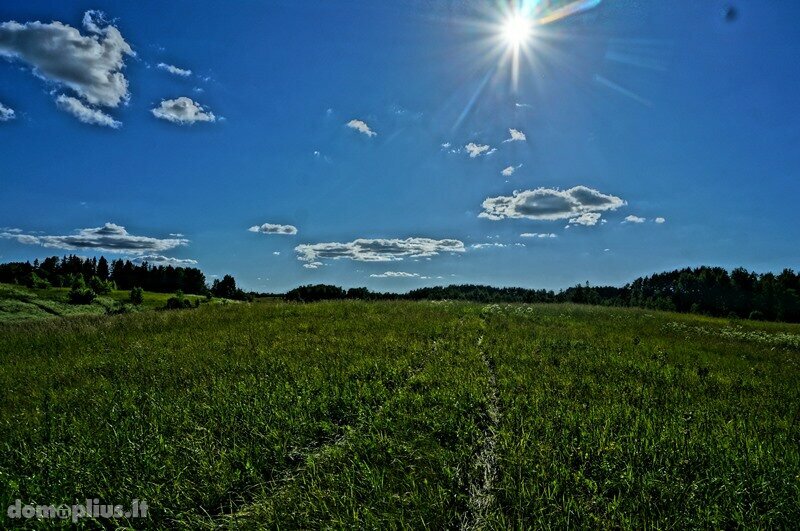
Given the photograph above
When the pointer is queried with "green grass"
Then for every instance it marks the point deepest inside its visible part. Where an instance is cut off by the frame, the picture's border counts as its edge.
(354, 414)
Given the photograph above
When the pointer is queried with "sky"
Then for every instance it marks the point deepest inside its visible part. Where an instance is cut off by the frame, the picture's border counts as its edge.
(403, 144)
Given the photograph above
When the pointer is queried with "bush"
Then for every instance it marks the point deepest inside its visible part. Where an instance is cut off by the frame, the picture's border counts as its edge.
(36, 282)
(78, 295)
(757, 315)
(137, 296)
(100, 286)
(178, 302)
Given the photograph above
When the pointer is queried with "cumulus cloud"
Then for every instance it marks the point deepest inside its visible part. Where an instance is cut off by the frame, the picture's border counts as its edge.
(362, 127)
(84, 113)
(476, 150)
(91, 65)
(182, 111)
(516, 136)
(633, 219)
(175, 70)
(395, 274)
(377, 250)
(312, 265)
(580, 204)
(157, 259)
(6, 114)
(272, 228)
(660, 220)
(110, 237)
(538, 235)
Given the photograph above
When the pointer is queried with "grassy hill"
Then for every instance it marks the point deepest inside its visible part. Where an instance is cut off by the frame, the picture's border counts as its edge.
(397, 414)
(18, 303)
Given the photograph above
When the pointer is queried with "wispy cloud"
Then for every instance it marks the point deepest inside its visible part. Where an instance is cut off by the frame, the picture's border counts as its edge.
(509, 171)
(157, 259)
(175, 70)
(6, 113)
(272, 228)
(182, 111)
(91, 65)
(538, 235)
(395, 274)
(110, 237)
(377, 250)
(516, 136)
(362, 127)
(580, 204)
(84, 113)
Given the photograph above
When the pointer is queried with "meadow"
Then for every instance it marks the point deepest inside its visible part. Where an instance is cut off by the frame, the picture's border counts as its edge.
(405, 414)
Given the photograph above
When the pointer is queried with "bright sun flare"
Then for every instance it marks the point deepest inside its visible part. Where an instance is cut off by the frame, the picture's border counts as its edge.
(516, 30)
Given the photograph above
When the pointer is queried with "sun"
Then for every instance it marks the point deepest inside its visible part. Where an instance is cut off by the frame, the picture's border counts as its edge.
(516, 30)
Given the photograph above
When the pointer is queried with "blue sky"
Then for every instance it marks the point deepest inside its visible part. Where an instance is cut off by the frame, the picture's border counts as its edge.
(686, 111)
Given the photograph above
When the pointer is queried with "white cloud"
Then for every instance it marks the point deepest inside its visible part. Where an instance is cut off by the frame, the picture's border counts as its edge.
(446, 145)
(516, 136)
(272, 228)
(509, 171)
(91, 65)
(110, 237)
(276, 253)
(182, 111)
(476, 150)
(6, 114)
(362, 127)
(175, 70)
(633, 219)
(84, 113)
(312, 265)
(538, 235)
(377, 250)
(395, 274)
(157, 259)
(580, 204)
(660, 220)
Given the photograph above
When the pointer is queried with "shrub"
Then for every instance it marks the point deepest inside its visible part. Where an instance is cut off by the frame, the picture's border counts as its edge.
(100, 286)
(78, 295)
(36, 282)
(756, 315)
(137, 296)
(178, 302)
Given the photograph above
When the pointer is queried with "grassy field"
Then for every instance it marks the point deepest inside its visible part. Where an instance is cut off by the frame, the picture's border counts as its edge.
(401, 414)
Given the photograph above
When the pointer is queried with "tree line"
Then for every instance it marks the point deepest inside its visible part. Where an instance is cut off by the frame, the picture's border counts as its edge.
(118, 274)
(704, 290)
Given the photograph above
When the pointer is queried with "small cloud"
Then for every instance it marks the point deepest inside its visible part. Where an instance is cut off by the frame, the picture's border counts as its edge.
(476, 150)
(516, 136)
(272, 228)
(176, 234)
(587, 219)
(362, 127)
(486, 245)
(509, 171)
(523, 105)
(175, 70)
(538, 235)
(377, 250)
(182, 111)
(276, 253)
(580, 205)
(313, 265)
(660, 220)
(198, 90)
(633, 219)
(395, 274)
(446, 145)
(6, 114)
(84, 113)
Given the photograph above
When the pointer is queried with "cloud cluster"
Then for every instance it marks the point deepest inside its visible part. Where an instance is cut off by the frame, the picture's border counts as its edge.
(361, 126)
(476, 150)
(182, 111)
(175, 70)
(84, 113)
(272, 228)
(580, 204)
(375, 250)
(6, 114)
(157, 259)
(516, 136)
(110, 237)
(660, 220)
(91, 65)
